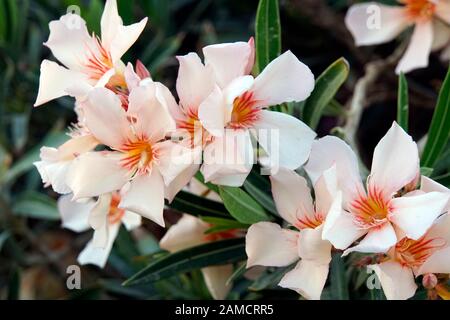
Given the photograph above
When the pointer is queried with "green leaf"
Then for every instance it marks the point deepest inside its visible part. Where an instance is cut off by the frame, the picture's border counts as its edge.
(439, 131)
(267, 33)
(338, 278)
(427, 172)
(402, 102)
(239, 272)
(198, 206)
(324, 91)
(209, 254)
(263, 198)
(241, 206)
(36, 205)
(221, 224)
(269, 278)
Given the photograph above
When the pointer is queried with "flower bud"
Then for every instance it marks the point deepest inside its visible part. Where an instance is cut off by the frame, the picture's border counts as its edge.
(429, 281)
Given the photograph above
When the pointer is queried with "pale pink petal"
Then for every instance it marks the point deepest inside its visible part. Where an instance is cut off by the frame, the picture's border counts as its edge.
(53, 171)
(187, 232)
(286, 140)
(131, 78)
(251, 58)
(395, 161)
(441, 35)
(440, 229)
(415, 214)
(146, 197)
(231, 154)
(308, 279)
(227, 60)
(54, 81)
(69, 40)
(438, 262)
(110, 22)
(174, 158)
(152, 119)
(292, 196)
(443, 10)
(418, 52)
(397, 281)
(76, 146)
(329, 151)
(377, 240)
(339, 227)
(216, 278)
(429, 185)
(267, 244)
(212, 112)
(98, 220)
(105, 118)
(180, 181)
(74, 215)
(131, 220)
(285, 79)
(195, 81)
(98, 256)
(96, 173)
(115, 36)
(232, 180)
(166, 98)
(326, 190)
(312, 247)
(374, 23)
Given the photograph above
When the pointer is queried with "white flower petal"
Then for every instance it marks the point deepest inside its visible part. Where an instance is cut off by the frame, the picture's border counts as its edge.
(267, 244)
(286, 140)
(74, 215)
(227, 60)
(285, 79)
(418, 52)
(146, 197)
(307, 278)
(377, 240)
(397, 281)
(187, 232)
(216, 278)
(415, 214)
(373, 23)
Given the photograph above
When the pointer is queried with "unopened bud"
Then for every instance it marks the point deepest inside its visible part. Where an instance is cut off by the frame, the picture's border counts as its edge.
(429, 281)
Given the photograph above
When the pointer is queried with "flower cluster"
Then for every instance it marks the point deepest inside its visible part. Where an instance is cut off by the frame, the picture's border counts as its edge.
(134, 146)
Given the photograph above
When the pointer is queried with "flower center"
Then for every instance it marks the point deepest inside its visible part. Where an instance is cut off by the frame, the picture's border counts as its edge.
(310, 222)
(115, 214)
(139, 155)
(98, 60)
(420, 9)
(245, 113)
(370, 211)
(413, 253)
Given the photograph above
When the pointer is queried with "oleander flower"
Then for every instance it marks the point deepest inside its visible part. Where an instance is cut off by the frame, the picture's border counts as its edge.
(88, 60)
(374, 23)
(54, 163)
(267, 244)
(104, 216)
(141, 160)
(409, 258)
(235, 110)
(188, 232)
(387, 207)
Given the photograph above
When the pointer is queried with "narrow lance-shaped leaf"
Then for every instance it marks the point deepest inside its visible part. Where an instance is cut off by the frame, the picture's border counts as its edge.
(402, 102)
(209, 254)
(241, 206)
(198, 206)
(439, 131)
(267, 33)
(327, 84)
